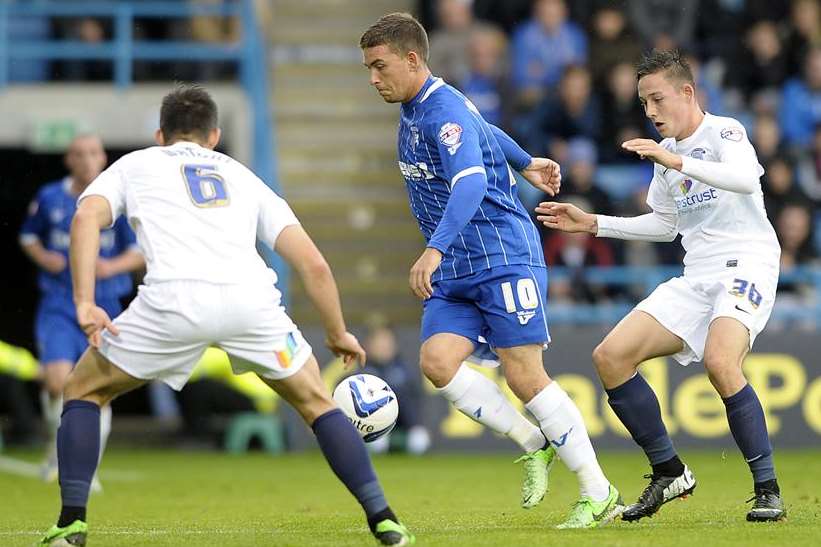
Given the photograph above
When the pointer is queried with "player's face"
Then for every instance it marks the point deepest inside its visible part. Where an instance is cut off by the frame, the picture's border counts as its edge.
(390, 73)
(85, 159)
(666, 103)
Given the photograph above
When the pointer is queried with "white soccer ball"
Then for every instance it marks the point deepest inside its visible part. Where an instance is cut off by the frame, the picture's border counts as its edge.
(369, 403)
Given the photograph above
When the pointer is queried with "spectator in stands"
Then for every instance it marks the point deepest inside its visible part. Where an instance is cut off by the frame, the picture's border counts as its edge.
(542, 48)
(801, 103)
(766, 138)
(719, 26)
(622, 115)
(809, 169)
(486, 82)
(779, 186)
(664, 24)
(611, 43)
(89, 31)
(384, 361)
(580, 169)
(763, 65)
(575, 252)
(574, 112)
(508, 14)
(449, 43)
(710, 95)
(805, 35)
(794, 228)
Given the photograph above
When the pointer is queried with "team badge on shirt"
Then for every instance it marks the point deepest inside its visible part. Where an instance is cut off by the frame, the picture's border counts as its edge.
(732, 134)
(698, 153)
(451, 136)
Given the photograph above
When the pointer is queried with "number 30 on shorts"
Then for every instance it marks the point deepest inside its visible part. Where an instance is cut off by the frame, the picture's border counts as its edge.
(205, 186)
(740, 288)
(525, 290)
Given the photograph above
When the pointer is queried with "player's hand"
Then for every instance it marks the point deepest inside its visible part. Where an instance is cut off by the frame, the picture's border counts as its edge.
(566, 217)
(347, 347)
(421, 272)
(53, 262)
(105, 269)
(544, 174)
(93, 320)
(648, 149)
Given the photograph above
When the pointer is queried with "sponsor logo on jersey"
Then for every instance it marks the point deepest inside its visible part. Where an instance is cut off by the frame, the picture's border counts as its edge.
(451, 136)
(415, 172)
(56, 215)
(698, 153)
(734, 134)
(685, 186)
(414, 140)
(695, 202)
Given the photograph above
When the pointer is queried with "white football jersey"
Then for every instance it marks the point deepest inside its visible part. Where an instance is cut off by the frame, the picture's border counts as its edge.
(717, 226)
(197, 213)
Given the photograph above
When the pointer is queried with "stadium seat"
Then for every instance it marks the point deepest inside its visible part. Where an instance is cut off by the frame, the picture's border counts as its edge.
(246, 426)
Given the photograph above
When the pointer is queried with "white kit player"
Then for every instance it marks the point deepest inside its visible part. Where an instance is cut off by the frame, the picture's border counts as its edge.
(198, 214)
(705, 187)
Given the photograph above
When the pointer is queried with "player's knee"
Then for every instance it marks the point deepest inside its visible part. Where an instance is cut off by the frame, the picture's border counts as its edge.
(604, 358)
(437, 368)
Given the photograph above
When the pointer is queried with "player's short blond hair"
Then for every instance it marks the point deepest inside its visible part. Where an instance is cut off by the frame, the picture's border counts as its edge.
(400, 32)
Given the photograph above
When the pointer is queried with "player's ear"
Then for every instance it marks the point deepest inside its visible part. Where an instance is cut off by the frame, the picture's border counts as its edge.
(159, 138)
(213, 138)
(689, 90)
(413, 61)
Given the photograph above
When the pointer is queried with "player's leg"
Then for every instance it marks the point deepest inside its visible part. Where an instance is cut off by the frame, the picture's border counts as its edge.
(562, 423)
(728, 342)
(637, 338)
(55, 374)
(94, 382)
(342, 447)
(442, 358)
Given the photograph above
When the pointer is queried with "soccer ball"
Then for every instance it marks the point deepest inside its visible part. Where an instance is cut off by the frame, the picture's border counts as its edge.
(369, 403)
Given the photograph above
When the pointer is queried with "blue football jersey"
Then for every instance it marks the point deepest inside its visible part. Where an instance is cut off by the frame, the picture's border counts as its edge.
(442, 139)
(49, 221)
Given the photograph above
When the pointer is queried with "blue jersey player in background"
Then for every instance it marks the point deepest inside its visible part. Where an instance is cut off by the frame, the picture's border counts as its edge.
(482, 276)
(44, 237)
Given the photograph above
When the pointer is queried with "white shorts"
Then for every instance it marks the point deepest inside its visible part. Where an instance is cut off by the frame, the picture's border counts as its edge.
(687, 305)
(166, 329)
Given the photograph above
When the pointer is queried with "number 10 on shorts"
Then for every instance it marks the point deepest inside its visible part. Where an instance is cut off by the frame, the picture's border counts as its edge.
(525, 290)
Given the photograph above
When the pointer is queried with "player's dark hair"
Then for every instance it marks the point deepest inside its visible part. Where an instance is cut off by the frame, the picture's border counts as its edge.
(188, 110)
(400, 32)
(670, 61)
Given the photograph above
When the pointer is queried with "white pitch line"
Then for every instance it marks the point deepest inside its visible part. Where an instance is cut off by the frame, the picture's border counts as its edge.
(27, 469)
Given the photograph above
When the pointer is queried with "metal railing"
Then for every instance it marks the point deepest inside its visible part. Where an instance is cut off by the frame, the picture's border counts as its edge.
(249, 53)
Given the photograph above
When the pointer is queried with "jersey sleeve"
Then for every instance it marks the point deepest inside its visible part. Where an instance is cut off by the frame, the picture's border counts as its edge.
(457, 141)
(274, 215)
(35, 226)
(110, 184)
(734, 147)
(658, 195)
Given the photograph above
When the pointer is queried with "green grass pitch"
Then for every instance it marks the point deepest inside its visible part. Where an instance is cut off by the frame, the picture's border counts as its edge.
(192, 498)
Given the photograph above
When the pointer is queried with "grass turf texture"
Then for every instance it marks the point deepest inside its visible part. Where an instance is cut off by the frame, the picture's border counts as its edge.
(178, 498)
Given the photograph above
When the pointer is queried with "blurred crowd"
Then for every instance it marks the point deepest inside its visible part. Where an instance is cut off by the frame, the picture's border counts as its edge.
(559, 76)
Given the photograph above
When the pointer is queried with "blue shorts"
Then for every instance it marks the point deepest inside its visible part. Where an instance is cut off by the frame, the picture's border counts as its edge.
(502, 306)
(58, 335)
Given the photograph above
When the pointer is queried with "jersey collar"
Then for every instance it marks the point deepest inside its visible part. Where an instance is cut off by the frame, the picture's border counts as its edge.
(431, 84)
(691, 139)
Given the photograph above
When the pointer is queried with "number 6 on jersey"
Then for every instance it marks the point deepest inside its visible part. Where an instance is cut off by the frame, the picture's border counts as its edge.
(205, 186)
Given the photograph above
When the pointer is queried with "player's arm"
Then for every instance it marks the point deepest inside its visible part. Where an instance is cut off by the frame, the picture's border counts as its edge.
(33, 230)
(299, 251)
(566, 217)
(737, 171)
(93, 214)
(542, 173)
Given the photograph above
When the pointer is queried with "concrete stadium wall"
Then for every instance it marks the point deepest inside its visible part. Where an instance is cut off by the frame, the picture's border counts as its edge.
(124, 119)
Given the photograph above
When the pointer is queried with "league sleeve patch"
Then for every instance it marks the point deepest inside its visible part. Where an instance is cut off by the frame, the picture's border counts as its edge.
(451, 134)
(734, 134)
(33, 207)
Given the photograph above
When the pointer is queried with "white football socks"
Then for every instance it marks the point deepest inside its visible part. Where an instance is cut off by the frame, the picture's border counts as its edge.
(479, 398)
(562, 423)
